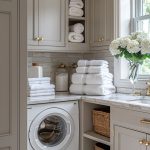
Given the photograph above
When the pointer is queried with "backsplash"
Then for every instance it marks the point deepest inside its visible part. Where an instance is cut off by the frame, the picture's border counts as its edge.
(50, 61)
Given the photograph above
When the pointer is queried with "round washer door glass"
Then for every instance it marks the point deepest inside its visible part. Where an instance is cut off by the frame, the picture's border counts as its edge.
(51, 129)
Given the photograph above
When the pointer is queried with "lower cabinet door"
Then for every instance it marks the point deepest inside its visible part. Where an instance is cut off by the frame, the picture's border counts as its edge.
(148, 139)
(126, 139)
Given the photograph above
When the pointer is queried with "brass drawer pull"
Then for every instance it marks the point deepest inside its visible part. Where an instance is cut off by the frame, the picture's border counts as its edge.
(144, 142)
(145, 121)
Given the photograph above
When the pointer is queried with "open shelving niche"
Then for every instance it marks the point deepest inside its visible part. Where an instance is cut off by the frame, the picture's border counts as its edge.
(89, 137)
(73, 20)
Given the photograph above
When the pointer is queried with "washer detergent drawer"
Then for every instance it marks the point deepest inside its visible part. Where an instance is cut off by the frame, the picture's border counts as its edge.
(52, 129)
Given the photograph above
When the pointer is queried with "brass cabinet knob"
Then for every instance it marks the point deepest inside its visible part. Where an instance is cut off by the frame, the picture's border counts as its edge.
(101, 39)
(144, 142)
(36, 38)
(41, 38)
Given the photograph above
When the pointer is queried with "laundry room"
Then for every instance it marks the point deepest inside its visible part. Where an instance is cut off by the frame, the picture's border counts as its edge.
(75, 75)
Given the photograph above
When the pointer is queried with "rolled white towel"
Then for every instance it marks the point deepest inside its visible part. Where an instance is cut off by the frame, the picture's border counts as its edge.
(83, 63)
(41, 86)
(76, 1)
(77, 28)
(41, 94)
(78, 78)
(93, 69)
(98, 90)
(77, 4)
(99, 78)
(77, 89)
(77, 12)
(75, 37)
(39, 79)
(98, 62)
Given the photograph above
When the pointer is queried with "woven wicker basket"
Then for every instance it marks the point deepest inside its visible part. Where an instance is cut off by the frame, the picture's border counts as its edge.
(99, 146)
(101, 121)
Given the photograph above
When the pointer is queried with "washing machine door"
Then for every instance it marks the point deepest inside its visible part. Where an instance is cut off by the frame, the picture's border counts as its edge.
(52, 129)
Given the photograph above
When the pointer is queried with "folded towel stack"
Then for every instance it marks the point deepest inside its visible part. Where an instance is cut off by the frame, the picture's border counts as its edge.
(40, 87)
(76, 8)
(92, 78)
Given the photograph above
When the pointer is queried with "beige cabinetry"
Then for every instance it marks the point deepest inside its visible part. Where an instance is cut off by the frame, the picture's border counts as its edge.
(101, 22)
(46, 23)
(13, 74)
(130, 130)
(126, 139)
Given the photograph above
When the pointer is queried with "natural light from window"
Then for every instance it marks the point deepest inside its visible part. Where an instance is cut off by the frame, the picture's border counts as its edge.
(142, 23)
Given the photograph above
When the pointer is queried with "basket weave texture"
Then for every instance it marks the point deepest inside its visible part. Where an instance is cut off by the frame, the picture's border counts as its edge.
(98, 148)
(101, 122)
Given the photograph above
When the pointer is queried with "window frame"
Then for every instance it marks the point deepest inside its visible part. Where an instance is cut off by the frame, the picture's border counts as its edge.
(118, 81)
(135, 18)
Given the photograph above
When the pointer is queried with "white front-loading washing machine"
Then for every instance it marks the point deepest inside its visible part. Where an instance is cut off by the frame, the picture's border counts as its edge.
(53, 126)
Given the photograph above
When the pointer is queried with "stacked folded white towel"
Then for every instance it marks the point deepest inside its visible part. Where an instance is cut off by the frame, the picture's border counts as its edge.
(76, 8)
(92, 78)
(40, 87)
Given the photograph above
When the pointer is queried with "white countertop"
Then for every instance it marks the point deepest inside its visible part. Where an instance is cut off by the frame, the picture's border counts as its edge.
(139, 103)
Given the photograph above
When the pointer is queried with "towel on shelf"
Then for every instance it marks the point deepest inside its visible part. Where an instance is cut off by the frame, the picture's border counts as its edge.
(77, 12)
(43, 79)
(77, 89)
(40, 86)
(93, 69)
(41, 94)
(97, 62)
(77, 28)
(78, 78)
(41, 98)
(75, 37)
(84, 63)
(41, 91)
(77, 4)
(106, 78)
(97, 90)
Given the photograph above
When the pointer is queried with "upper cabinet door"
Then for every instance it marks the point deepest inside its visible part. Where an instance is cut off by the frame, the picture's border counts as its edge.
(52, 22)
(32, 22)
(101, 22)
(126, 139)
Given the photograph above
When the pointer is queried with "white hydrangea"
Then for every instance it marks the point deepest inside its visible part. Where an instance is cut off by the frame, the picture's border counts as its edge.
(114, 47)
(145, 46)
(124, 42)
(133, 46)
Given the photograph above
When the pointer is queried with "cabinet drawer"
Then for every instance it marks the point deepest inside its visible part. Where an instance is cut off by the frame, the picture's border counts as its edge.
(131, 119)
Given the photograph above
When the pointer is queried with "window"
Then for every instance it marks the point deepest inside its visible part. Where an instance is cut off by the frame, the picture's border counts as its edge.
(142, 23)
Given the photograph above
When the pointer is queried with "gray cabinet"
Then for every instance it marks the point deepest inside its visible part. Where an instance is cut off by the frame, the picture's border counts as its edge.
(126, 139)
(101, 21)
(46, 23)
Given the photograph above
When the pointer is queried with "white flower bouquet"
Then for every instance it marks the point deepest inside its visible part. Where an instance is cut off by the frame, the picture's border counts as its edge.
(135, 48)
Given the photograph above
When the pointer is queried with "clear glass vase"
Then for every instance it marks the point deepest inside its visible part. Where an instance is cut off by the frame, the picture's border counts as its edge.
(133, 74)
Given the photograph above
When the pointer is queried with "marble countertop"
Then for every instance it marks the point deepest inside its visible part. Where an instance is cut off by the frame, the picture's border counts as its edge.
(139, 103)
